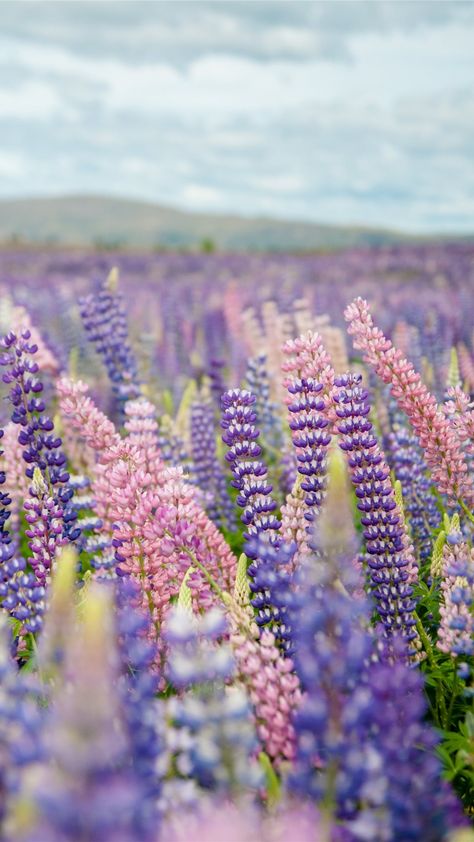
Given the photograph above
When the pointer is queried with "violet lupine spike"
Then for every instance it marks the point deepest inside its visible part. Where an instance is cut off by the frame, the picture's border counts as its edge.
(420, 504)
(208, 472)
(41, 447)
(456, 629)
(263, 539)
(5, 503)
(105, 321)
(311, 440)
(441, 445)
(384, 533)
(250, 474)
(257, 382)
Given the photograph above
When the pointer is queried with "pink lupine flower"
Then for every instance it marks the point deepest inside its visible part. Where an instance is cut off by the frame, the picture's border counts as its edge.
(244, 822)
(459, 409)
(294, 524)
(16, 483)
(443, 453)
(150, 509)
(82, 413)
(271, 682)
(307, 357)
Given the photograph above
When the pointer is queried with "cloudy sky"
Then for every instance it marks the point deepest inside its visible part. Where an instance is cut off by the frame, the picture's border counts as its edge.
(345, 112)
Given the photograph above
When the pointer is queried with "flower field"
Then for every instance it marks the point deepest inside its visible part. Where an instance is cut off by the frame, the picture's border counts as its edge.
(236, 546)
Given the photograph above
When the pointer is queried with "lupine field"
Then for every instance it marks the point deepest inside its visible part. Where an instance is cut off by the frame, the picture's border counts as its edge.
(237, 546)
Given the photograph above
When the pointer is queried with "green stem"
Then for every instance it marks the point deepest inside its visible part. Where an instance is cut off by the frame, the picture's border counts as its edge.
(442, 713)
(466, 511)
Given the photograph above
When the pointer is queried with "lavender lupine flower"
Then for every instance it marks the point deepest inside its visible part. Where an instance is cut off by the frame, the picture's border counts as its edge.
(20, 723)
(250, 478)
(417, 803)
(272, 587)
(214, 720)
(456, 630)
(359, 738)
(332, 645)
(257, 383)
(105, 321)
(208, 473)
(6, 550)
(311, 440)
(217, 380)
(420, 504)
(88, 787)
(41, 447)
(238, 421)
(138, 688)
(383, 531)
(288, 469)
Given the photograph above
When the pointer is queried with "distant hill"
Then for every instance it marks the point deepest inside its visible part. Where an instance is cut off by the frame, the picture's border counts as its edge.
(111, 222)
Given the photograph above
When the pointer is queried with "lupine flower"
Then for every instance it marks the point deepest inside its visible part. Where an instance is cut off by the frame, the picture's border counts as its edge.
(41, 448)
(88, 788)
(441, 446)
(21, 723)
(420, 504)
(270, 680)
(257, 383)
(15, 482)
(156, 521)
(418, 804)
(255, 497)
(216, 380)
(311, 439)
(238, 421)
(333, 762)
(295, 823)
(208, 472)
(217, 720)
(456, 630)
(105, 321)
(389, 551)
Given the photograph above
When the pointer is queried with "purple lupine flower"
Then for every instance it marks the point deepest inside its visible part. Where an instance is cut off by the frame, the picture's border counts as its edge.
(456, 629)
(219, 752)
(105, 321)
(383, 532)
(417, 802)
(6, 550)
(257, 382)
(311, 440)
(419, 503)
(41, 447)
(217, 381)
(20, 722)
(331, 646)
(250, 474)
(360, 730)
(138, 687)
(250, 478)
(288, 469)
(208, 473)
(89, 786)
